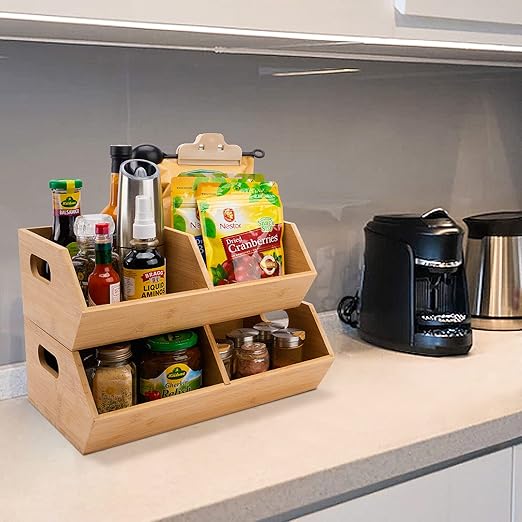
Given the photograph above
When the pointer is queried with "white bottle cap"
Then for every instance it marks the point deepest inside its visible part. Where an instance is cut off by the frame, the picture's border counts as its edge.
(144, 226)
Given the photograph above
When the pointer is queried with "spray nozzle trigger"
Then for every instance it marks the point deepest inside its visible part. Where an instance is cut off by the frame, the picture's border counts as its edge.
(144, 225)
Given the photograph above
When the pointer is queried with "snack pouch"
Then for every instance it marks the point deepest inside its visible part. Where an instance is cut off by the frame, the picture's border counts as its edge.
(170, 169)
(242, 225)
(185, 215)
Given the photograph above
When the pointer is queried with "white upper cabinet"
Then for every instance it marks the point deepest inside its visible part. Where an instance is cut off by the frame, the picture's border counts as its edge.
(499, 12)
(423, 30)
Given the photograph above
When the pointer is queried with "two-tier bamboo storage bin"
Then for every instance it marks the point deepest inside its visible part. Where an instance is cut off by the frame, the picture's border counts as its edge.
(58, 324)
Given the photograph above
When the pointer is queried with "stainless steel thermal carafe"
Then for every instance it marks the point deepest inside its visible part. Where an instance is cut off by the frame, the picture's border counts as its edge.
(494, 270)
(137, 178)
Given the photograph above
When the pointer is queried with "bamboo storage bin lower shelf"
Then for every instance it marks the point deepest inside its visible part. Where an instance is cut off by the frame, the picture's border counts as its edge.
(58, 386)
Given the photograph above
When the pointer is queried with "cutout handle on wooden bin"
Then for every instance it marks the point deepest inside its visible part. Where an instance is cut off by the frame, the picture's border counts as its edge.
(47, 270)
(48, 361)
(40, 268)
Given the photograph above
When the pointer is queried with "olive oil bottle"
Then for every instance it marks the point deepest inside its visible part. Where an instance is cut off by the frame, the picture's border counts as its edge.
(144, 273)
(119, 154)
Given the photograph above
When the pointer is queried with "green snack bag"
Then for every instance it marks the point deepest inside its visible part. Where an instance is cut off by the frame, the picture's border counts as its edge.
(185, 216)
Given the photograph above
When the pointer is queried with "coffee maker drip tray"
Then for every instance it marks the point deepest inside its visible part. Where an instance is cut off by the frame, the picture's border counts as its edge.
(450, 332)
(440, 319)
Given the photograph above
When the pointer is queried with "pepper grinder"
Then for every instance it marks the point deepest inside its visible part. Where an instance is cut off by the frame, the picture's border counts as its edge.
(138, 177)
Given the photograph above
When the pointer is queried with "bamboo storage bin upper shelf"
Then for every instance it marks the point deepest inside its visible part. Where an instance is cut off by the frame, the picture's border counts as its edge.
(58, 307)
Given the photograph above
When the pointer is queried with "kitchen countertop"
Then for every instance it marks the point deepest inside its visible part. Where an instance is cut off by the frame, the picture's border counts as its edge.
(378, 418)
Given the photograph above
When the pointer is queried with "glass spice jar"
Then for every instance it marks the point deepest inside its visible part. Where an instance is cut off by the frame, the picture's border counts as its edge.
(251, 358)
(288, 347)
(89, 363)
(266, 329)
(226, 352)
(84, 260)
(114, 378)
(241, 336)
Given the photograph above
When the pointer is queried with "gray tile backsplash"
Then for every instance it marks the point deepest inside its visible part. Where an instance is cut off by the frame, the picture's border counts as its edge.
(394, 137)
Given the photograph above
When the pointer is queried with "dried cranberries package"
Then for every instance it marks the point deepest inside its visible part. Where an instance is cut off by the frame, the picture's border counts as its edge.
(242, 225)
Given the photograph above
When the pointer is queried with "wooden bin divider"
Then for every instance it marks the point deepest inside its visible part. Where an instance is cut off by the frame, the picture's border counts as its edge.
(62, 394)
(57, 306)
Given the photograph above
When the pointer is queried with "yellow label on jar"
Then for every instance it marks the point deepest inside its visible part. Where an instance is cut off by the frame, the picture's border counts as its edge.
(143, 283)
(177, 378)
(66, 204)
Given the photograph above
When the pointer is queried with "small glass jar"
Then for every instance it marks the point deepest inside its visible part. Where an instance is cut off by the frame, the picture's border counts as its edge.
(114, 378)
(89, 363)
(84, 260)
(241, 336)
(170, 365)
(266, 329)
(288, 347)
(251, 358)
(226, 352)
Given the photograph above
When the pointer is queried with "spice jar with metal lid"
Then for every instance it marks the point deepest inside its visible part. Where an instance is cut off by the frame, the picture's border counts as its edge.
(170, 365)
(241, 336)
(266, 329)
(114, 378)
(288, 347)
(226, 352)
(251, 358)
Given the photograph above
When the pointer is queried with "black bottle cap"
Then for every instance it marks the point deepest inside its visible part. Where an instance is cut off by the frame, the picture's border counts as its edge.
(119, 154)
(508, 223)
(121, 150)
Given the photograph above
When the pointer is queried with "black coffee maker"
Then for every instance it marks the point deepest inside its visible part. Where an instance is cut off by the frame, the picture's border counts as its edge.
(414, 296)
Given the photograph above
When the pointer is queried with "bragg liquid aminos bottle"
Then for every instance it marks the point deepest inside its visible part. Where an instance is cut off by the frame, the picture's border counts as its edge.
(66, 208)
(104, 282)
(143, 267)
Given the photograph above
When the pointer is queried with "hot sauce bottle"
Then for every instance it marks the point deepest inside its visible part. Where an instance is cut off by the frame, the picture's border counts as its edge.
(104, 282)
(143, 267)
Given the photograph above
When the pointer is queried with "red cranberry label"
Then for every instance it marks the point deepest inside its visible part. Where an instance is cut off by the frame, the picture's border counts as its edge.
(252, 241)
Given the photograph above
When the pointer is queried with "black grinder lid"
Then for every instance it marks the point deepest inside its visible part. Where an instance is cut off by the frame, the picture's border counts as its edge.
(508, 223)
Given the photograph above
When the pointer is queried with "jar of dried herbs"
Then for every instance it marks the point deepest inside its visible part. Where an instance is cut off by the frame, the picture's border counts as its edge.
(266, 330)
(226, 352)
(251, 358)
(114, 378)
(288, 347)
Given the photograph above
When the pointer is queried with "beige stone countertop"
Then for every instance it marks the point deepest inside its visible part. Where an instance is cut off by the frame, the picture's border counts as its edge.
(378, 418)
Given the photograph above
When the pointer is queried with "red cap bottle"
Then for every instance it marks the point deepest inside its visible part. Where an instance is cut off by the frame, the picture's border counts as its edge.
(104, 282)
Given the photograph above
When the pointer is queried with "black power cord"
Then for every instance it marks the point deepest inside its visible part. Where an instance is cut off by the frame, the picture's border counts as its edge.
(347, 310)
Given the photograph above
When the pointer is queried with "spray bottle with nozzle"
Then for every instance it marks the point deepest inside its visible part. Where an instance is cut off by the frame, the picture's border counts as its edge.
(144, 270)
